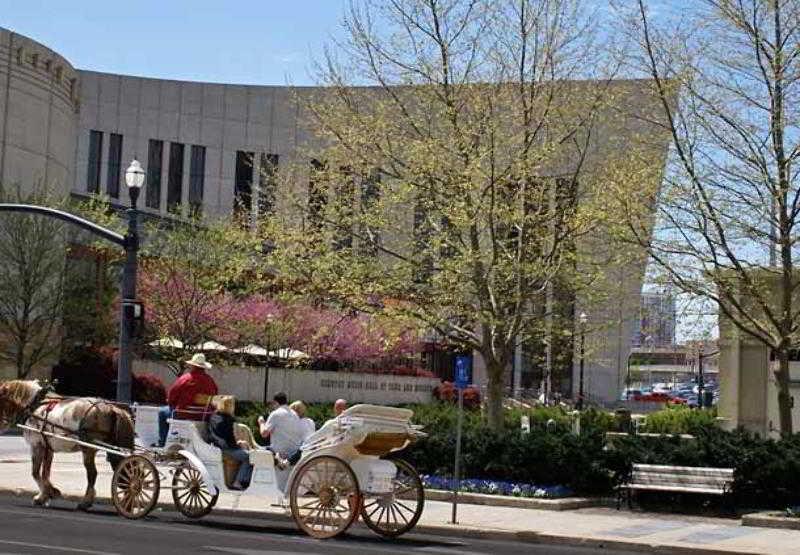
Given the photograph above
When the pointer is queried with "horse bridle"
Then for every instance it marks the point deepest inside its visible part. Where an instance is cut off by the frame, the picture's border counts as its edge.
(22, 413)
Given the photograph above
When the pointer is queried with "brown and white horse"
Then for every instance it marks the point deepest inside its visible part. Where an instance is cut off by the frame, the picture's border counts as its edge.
(86, 419)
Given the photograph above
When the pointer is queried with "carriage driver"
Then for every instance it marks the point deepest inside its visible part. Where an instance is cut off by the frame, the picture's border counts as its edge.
(184, 392)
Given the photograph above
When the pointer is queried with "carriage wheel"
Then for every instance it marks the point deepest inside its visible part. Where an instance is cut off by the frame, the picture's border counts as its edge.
(396, 513)
(192, 496)
(135, 487)
(324, 497)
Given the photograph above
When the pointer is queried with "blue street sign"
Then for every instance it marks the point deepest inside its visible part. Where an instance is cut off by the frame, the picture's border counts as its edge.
(463, 364)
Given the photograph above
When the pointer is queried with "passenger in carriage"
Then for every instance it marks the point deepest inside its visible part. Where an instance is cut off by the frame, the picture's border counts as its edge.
(309, 427)
(220, 432)
(184, 392)
(283, 428)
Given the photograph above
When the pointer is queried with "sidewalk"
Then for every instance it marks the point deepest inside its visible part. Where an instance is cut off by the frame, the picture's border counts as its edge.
(655, 533)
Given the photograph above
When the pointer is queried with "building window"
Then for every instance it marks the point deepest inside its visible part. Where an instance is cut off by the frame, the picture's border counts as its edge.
(243, 188)
(175, 177)
(316, 195)
(95, 161)
(155, 152)
(197, 179)
(114, 164)
(267, 184)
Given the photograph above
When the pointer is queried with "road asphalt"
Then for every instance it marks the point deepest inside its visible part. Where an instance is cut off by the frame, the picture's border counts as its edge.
(60, 529)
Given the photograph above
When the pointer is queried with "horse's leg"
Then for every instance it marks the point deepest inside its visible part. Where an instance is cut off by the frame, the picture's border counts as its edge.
(37, 458)
(47, 465)
(91, 478)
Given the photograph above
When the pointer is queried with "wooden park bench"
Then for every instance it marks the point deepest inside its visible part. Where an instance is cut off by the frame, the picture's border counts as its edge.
(680, 479)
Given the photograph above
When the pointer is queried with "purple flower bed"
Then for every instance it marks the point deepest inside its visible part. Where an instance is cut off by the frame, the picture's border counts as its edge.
(495, 487)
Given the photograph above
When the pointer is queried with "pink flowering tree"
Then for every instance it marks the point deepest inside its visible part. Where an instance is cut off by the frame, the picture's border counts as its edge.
(258, 320)
(357, 340)
(182, 310)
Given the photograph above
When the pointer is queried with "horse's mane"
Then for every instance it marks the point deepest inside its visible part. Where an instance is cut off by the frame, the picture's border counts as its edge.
(20, 392)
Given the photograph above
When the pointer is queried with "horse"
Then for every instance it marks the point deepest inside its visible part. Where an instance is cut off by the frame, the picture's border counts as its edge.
(84, 418)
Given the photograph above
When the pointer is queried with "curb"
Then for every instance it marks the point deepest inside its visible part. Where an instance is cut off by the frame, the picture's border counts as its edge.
(563, 504)
(771, 520)
(494, 534)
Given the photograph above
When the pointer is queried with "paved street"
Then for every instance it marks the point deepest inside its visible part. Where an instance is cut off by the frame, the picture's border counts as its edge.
(260, 528)
(60, 529)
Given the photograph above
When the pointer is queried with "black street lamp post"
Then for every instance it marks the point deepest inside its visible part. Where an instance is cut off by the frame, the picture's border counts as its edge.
(582, 321)
(134, 179)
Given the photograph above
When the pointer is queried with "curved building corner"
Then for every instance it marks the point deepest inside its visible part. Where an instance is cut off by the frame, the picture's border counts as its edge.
(39, 103)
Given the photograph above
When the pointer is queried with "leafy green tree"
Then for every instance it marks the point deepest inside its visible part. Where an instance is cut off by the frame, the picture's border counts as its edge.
(32, 270)
(728, 210)
(454, 190)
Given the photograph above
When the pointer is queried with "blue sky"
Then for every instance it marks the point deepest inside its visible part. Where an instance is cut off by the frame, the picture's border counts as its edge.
(263, 42)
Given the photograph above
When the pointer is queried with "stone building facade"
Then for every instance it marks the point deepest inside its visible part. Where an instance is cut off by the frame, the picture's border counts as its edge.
(209, 148)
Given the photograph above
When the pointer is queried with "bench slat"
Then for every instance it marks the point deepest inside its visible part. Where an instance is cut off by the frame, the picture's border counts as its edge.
(694, 470)
(683, 478)
(711, 491)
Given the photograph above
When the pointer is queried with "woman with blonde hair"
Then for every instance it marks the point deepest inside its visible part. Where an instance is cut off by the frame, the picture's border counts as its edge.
(220, 431)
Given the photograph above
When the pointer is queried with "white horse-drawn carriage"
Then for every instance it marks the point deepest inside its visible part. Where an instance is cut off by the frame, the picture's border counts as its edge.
(339, 477)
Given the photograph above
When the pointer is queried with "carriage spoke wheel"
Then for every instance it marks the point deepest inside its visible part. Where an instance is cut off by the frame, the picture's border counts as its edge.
(135, 487)
(396, 513)
(193, 497)
(324, 497)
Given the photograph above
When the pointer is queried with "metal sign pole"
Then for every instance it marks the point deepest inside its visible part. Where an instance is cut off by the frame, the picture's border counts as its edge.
(457, 473)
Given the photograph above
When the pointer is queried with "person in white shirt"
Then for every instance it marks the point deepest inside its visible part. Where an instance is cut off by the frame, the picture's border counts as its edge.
(309, 426)
(283, 428)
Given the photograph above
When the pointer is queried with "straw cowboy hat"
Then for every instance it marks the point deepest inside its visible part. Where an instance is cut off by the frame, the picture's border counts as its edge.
(199, 360)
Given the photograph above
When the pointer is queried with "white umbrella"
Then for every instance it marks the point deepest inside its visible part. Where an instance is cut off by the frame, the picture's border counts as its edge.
(252, 350)
(288, 354)
(167, 342)
(210, 346)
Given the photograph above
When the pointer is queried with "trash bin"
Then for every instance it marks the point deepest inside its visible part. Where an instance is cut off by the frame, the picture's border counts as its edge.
(708, 398)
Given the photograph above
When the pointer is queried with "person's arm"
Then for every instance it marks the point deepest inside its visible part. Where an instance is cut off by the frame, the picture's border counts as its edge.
(172, 393)
(177, 393)
(265, 427)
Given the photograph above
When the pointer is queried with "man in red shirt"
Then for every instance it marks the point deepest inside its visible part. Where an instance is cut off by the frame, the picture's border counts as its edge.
(196, 381)
(184, 392)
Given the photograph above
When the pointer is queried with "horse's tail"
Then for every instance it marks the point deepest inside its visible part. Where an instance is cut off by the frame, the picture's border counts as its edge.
(122, 434)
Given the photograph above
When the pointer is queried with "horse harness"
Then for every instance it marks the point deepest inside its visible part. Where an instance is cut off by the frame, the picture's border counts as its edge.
(39, 400)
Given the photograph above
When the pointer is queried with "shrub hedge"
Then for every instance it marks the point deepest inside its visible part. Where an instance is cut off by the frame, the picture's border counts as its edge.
(767, 472)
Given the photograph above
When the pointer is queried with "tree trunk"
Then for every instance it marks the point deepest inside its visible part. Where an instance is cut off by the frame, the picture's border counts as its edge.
(495, 392)
(784, 398)
(21, 341)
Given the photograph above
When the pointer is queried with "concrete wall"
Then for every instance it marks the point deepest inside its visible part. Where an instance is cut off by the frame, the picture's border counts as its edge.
(38, 107)
(748, 388)
(247, 384)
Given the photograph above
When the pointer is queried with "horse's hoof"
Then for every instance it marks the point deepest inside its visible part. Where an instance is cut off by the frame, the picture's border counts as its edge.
(84, 506)
(38, 501)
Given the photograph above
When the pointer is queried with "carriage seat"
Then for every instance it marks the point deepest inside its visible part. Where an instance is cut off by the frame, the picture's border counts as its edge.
(199, 410)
